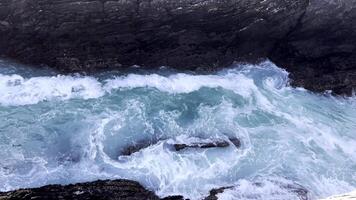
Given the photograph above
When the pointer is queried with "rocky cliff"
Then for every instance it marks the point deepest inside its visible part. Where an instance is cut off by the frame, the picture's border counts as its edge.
(313, 39)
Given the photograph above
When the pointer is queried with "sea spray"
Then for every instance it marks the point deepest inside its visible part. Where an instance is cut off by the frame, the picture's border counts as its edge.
(66, 129)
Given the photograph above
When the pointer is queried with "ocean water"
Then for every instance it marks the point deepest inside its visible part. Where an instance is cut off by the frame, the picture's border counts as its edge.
(57, 129)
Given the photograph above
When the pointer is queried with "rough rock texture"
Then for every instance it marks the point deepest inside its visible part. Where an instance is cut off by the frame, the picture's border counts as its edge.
(214, 143)
(313, 39)
(206, 145)
(108, 190)
(98, 190)
(320, 51)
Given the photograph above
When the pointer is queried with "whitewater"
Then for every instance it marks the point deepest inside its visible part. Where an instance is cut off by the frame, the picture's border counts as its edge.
(61, 129)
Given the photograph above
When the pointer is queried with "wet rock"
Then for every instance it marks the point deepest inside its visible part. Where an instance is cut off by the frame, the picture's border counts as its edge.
(299, 190)
(312, 39)
(136, 147)
(295, 188)
(77, 35)
(320, 51)
(178, 197)
(108, 190)
(214, 192)
(203, 144)
(207, 144)
(236, 142)
(221, 144)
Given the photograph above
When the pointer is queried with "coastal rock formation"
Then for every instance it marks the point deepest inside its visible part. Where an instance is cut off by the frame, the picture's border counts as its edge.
(114, 190)
(98, 190)
(198, 144)
(208, 144)
(320, 51)
(313, 39)
(108, 190)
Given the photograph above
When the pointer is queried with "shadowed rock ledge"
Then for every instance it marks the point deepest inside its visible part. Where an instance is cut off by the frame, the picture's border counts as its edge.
(313, 39)
(108, 190)
(100, 189)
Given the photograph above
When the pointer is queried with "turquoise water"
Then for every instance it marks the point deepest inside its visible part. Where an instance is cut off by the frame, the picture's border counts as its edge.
(67, 129)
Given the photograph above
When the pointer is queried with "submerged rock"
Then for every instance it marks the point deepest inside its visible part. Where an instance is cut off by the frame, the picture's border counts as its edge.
(297, 189)
(208, 144)
(136, 147)
(177, 146)
(313, 39)
(221, 144)
(108, 190)
(214, 192)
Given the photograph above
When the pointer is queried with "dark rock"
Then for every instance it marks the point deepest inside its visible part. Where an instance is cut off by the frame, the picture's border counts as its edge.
(178, 197)
(202, 145)
(214, 192)
(236, 142)
(77, 35)
(320, 51)
(136, 147)
(301, 192)
(313, 39)
(108, 190)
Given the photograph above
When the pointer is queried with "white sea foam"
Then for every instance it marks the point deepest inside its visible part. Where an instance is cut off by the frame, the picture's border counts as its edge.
(16, 90)
(265, 189)
(287, 134)
(184, 83)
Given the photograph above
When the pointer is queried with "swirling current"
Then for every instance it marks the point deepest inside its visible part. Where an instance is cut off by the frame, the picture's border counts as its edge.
(60, 129)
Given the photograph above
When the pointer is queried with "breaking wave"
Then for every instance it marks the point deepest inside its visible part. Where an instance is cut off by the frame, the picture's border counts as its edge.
(66, 129)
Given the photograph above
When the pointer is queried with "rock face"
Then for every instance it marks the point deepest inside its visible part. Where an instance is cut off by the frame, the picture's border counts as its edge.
(313, 39)
(108, 190)
(320, 51)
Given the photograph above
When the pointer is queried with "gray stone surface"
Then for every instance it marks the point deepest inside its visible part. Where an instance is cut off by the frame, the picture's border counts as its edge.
(313, 39)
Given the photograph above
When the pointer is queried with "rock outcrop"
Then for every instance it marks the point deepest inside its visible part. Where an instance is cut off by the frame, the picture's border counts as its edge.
(320, 51)
(97, 190)
(313, 39)
(116, 190)
(108, 190)
(208, 144)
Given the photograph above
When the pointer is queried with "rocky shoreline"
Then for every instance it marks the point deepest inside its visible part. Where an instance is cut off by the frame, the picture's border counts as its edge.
(315, 40)
(114, 190)
(108, 190)
(131, 190)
